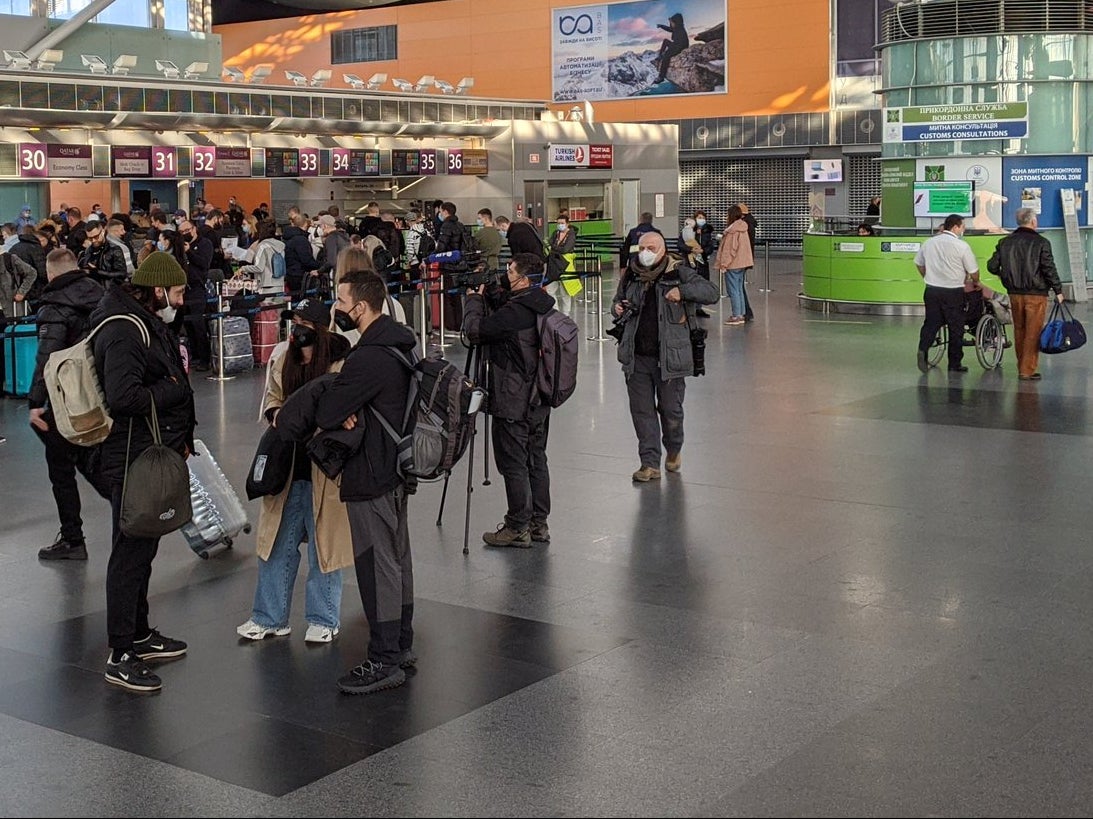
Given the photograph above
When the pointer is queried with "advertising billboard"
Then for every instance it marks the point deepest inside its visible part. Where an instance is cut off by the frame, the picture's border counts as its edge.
(638, 49)
(1035, 182)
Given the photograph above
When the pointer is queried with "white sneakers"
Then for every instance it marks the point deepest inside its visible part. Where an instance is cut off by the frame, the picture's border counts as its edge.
(315, 634)
(320, 634)
(252, 631)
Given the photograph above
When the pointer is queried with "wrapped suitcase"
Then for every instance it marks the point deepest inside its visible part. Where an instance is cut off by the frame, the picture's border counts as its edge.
(238, 351)
(20, 342)
(219, 516)
(266, 333)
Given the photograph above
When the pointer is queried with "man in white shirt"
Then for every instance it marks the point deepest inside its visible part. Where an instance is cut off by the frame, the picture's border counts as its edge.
(945, 263)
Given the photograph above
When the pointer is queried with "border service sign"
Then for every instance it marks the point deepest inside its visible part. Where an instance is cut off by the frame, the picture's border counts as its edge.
(937, 123)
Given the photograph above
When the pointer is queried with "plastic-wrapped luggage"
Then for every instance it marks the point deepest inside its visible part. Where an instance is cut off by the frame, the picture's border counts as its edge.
(219, 515)
(238, 351)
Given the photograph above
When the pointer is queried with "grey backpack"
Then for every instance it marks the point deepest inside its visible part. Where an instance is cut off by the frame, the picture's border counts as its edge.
(556, 378)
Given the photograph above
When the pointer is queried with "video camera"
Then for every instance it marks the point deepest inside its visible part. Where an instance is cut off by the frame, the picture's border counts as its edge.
(468, 270)
(619, 322)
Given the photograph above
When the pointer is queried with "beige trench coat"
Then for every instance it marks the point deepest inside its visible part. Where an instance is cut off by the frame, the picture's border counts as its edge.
(333, 543)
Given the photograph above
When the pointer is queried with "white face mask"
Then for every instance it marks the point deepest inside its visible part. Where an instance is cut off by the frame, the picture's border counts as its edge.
(647, 258)
(167, 314)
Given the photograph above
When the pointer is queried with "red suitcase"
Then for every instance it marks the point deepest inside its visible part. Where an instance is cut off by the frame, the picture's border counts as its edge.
(265, 334)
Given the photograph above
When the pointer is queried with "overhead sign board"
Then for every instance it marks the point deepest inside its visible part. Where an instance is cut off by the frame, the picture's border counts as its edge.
(581, 156)
(937, 123)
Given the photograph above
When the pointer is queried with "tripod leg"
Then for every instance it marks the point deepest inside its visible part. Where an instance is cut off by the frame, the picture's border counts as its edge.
(470, 489)
(486, 450)
(443, 497)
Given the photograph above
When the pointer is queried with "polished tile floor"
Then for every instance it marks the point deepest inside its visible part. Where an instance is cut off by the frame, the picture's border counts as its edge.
(869, 592)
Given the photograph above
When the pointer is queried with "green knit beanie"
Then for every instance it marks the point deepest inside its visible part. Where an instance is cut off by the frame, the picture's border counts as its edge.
(159, 269)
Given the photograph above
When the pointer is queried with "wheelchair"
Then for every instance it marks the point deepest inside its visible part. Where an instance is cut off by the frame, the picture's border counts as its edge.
(987, 315)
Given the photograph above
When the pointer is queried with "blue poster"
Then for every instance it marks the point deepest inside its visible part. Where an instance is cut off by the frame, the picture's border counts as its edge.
(1035, 181)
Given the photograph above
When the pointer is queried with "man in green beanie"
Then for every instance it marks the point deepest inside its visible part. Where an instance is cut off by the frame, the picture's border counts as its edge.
(134, 376)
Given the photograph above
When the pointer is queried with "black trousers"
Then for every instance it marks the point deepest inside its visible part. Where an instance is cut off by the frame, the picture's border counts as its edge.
(63, 460)
(127, 576)
(385, 573)
(3, 353)
(944, 306)
(519, 449)
(197, 328)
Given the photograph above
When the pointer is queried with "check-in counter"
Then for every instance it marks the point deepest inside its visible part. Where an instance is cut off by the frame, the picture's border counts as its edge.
(874, 274)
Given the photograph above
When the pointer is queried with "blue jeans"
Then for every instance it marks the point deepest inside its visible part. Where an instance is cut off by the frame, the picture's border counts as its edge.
(277, 575)
(734, 285)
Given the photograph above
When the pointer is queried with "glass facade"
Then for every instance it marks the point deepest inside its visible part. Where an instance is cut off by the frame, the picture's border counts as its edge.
(1053, 73)
(176, 15)
(127, 13)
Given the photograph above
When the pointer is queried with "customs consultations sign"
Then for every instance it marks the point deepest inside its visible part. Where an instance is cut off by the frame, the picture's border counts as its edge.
(937, 123)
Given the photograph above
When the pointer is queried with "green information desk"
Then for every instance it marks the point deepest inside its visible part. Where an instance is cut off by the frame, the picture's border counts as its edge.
(874, 274)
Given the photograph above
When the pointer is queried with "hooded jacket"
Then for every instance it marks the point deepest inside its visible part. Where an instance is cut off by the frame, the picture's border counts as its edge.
(512, 333)
(371, 377)
(676, 359)
(64, 318)
(30, 250)
(735, 251)
(133, 376)
(299, 258)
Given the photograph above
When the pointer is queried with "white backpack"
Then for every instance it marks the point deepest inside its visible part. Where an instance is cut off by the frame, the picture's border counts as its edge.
(75, 394)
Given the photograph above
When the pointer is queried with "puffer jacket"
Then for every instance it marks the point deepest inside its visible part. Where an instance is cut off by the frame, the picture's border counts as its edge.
(735, 252)
(64, 318)
(133, 376)
(512, 333)
(676, 359)
(1024, 263)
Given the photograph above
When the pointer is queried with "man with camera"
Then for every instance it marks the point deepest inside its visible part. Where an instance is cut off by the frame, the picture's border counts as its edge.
(654, 311)
(505, 315)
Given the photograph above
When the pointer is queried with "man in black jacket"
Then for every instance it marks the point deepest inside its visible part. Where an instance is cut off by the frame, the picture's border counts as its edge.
(1024, 262)
(103, 260)
(64, 318)
(521, 237)
(521, 423)
(451, 237)
(199, 257)
(31, 249)
(375, 380)
(299, 257)
(134, 377)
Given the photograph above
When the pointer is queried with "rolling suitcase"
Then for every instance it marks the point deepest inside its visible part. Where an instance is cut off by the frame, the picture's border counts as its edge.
(238, 351)
(266, 334)
(20, 342)
(219, 516)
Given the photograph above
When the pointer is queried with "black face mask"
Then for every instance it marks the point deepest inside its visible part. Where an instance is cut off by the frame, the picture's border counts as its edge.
(504, 283)
(303, 336)
(344, 321)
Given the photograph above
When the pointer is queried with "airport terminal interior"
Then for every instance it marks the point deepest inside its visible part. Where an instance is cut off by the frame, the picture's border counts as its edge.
(866, 593)
(867, 589)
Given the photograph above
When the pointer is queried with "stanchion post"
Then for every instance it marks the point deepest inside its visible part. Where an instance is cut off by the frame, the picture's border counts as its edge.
(599, 307)
(766, 266)
(219, 376)
(423, 317)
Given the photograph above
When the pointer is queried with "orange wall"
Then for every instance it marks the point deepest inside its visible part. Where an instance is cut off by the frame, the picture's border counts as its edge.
(81, 194)
(778, 53)
(249, 193)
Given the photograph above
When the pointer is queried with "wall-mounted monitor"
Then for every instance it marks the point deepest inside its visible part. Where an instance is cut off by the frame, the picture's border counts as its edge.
(823, 170)
(939, 199)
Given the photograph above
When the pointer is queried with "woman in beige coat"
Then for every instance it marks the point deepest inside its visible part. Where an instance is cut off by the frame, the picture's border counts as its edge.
(308, 505)
(734, 257)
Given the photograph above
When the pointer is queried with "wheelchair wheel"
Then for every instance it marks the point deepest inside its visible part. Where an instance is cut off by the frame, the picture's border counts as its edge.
(989, 342)
(939, 346)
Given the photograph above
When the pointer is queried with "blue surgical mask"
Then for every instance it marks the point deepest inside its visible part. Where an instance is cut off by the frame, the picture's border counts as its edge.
(700, 222)
(164, 246)
(562, 226)
(479, 222)
(504, 233)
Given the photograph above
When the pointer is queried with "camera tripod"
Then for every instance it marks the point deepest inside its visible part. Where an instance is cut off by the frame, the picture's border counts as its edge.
(476, 369)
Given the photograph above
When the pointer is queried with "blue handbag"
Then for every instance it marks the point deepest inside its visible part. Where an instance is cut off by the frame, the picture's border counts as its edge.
(1062, 333)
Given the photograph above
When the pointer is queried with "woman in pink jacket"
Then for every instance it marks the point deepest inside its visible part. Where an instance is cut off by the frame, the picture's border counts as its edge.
(734, 257)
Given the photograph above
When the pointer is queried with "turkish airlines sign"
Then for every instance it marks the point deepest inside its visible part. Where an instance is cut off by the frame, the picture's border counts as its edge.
(581, 156)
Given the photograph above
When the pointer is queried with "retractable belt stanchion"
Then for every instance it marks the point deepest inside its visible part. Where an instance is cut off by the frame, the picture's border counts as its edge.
(766, 267)
(423, 295)
(219, 373)
(599, 304)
